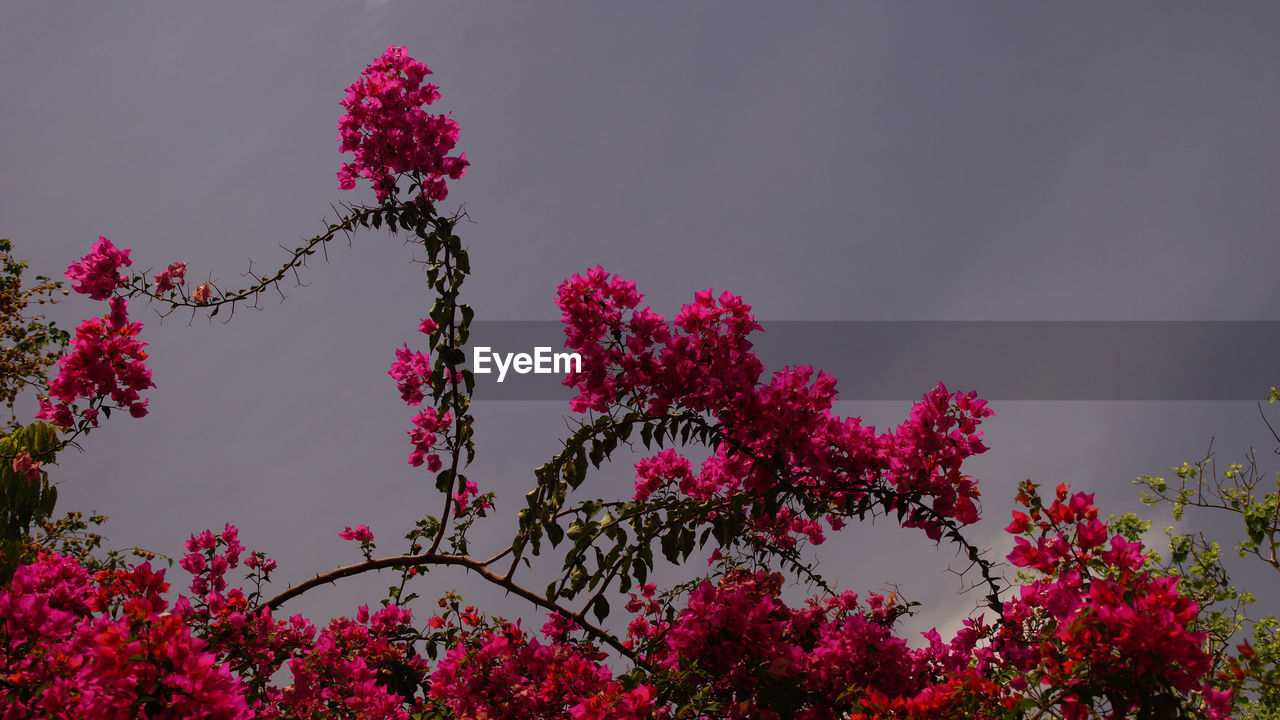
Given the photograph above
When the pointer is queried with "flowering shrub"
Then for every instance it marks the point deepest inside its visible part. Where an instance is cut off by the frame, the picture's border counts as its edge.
(76, 646)
(502, 673)
(1095, 623)
(702, 363)
(737, 649)
(1090, 629)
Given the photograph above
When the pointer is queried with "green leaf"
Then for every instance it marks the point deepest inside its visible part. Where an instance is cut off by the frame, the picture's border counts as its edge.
(578, 579)
(600, 608)
(670, 546)
(579, 468)
(555, 534)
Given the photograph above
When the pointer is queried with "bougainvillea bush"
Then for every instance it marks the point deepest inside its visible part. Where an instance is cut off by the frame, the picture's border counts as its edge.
(1093, 626)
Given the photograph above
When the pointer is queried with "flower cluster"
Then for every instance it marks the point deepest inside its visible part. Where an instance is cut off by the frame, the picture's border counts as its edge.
(27, 466)
(666, 467)
(106, 360)
(390, 133)
(254, 644)
(98, 273)
(359, 667)
(780, 442)
(171, 277)
(414, 378)
(501, 673)
(463, 496)
(104, 647)
(361, 534)
(426, 425)
(353, 669)
(1095, 622)
(1095, 629)
(745, 649)
(412, 373)
(616, 703)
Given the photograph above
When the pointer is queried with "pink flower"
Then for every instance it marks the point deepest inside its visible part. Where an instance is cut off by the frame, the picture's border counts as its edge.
(503, 673)
(390, 133)
(463, 497)
(1021, 521)
(97, 274)
(412, 372)
(92, 646)
(427, 326)
(666, 465)
(1091, 534)
(361, 533)
(702, 362)
(171, 277)
(23, 463)
(59, 415)
(119, 316)
(426, 426)
(106, 360)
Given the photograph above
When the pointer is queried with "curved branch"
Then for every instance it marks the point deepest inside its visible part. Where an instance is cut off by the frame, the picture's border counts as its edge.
(402, 561)
(139, 285)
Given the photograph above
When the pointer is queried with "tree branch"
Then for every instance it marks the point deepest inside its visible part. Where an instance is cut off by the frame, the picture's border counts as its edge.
(401, 561)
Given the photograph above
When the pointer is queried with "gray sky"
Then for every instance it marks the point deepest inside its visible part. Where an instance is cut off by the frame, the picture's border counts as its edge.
(876, 161)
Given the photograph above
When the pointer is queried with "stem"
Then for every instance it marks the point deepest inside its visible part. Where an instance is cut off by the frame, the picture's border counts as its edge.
(297, 258)
(449, 338)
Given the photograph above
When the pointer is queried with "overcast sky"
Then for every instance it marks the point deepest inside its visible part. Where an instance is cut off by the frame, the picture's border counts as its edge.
(866, 161)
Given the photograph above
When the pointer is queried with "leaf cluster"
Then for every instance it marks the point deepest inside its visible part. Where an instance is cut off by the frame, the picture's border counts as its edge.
(29, 344)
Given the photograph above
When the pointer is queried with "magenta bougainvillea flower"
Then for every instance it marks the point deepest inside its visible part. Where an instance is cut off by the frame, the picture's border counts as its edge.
(361, 534)
(106, 361)
(98, 273)
(171, 277)
(702, 361)
(390, 133)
